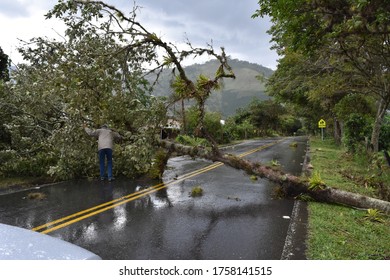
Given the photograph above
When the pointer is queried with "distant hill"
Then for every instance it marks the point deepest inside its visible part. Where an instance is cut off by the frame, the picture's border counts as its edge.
(234, 94)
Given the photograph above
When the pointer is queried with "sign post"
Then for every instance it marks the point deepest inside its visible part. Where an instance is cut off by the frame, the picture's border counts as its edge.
(322, 125)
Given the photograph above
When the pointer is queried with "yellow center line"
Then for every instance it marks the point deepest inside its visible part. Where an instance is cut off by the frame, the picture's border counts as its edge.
(142, 192)
(90, 209)
(100, 210)
(259, 148)
(133, 196)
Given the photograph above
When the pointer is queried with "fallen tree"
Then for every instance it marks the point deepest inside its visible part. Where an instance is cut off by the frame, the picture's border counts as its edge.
(291, 185)
(136, 40)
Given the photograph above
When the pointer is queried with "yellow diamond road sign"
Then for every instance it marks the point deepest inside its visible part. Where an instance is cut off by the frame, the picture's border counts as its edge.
(322, 123)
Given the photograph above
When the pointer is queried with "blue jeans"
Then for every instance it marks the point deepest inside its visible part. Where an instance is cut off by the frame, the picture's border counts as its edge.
(103, 154)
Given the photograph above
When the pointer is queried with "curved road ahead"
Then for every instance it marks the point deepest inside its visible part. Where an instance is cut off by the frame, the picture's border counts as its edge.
(236, 218)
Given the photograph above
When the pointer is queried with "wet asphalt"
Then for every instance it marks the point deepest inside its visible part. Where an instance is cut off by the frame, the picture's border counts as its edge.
(235, 218)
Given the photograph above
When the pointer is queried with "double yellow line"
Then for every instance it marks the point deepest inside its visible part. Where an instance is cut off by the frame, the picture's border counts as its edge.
(71, 219)
(68, 220)
(259, 148)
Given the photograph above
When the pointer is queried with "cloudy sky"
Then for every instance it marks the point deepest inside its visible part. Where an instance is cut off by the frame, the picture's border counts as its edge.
(227, 23)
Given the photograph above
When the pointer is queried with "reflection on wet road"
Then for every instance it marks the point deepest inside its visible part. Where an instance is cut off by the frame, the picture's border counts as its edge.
(236, 218)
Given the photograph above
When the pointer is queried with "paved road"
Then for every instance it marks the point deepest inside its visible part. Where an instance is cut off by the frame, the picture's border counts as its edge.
(236, 218)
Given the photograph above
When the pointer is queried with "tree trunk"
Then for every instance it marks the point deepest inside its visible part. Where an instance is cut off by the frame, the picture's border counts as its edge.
(382, 107)
(292, 185)
(337, 131)
(183, 115)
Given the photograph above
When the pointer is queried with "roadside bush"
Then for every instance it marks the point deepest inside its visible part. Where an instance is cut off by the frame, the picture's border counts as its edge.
(357, 129)
(32, 166)
(384, 136)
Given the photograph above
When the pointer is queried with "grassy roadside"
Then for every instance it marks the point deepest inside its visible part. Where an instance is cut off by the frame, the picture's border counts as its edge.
(337, 232)
(23, 182)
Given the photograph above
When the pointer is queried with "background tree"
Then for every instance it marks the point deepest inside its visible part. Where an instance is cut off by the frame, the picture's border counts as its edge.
(266, 116)
(4, 66)
(350, 34)
(262, 118)
(5, 138)
(290, 85)
(212, 123)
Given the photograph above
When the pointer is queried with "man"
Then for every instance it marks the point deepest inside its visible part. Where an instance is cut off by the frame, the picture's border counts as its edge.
(106, 139)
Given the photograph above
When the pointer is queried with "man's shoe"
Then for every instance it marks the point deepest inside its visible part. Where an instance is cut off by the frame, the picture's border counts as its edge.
(102, 178)
(111, 179)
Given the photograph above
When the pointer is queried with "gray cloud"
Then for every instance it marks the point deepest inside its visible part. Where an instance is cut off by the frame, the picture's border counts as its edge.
(227, 22)
(12, 8)
(24, 8)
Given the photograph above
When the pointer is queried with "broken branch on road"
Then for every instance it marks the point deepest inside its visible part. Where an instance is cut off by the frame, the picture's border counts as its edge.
(292, 185)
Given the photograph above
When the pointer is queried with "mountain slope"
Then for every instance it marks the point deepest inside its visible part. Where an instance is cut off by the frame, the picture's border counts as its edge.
(234, 94)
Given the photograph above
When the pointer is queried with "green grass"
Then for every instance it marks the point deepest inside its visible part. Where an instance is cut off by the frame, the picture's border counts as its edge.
(10, 182)
(337, 232)
(335, 166)
(6, 182)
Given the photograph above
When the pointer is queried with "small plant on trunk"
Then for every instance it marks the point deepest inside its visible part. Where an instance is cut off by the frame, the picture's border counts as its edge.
(316, 183)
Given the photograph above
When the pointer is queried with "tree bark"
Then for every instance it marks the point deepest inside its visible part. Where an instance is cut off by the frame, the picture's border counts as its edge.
(382, 107)
(337, 131)
(183, 115)
(292, 185)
